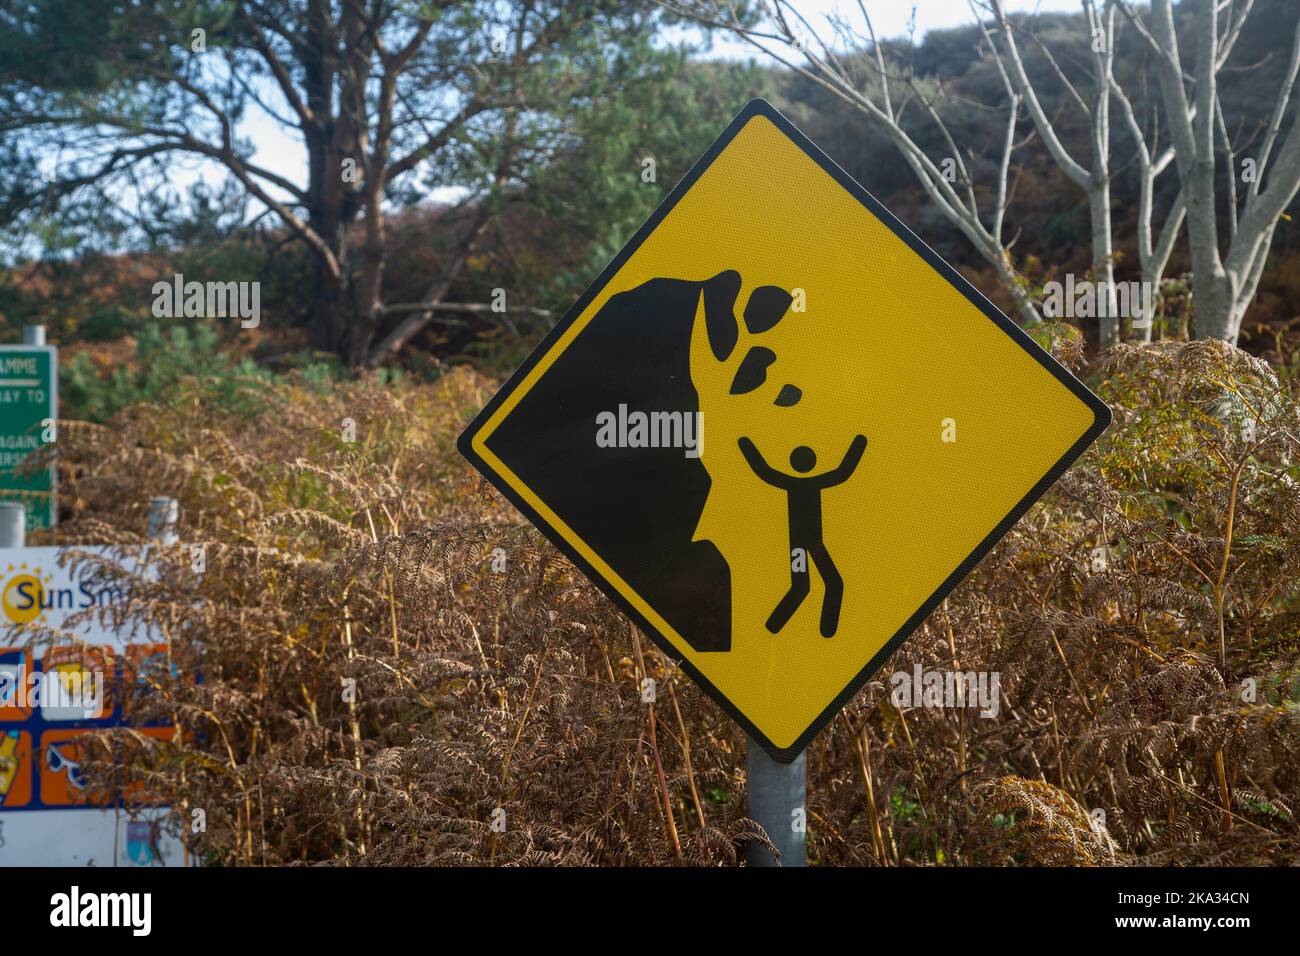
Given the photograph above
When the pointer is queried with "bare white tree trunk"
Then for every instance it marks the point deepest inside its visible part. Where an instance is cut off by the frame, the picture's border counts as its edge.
(1153, 252)
(1095, 179)
(1223, 284)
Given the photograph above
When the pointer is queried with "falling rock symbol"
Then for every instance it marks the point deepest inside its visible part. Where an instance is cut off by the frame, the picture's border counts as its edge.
(789, 395)
(719, 295)
(753, 370)
(767, 305)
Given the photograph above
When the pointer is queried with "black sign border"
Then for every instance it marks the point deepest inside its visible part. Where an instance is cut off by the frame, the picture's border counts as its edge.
(1101, 413)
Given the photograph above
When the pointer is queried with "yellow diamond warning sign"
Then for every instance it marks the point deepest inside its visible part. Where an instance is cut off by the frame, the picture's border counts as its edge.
(778, 430)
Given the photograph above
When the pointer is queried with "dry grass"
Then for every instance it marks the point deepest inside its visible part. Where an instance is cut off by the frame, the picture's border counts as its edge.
(372, 562)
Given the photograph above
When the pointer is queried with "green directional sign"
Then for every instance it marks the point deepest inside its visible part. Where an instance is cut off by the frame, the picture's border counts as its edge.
(29, 397)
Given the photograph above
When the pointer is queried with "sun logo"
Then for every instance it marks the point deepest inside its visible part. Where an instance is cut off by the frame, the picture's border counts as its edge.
(22, 597)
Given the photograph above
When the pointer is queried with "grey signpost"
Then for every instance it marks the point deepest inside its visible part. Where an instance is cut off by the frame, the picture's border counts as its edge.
(777, 794)
(13, 524)
(163, 516)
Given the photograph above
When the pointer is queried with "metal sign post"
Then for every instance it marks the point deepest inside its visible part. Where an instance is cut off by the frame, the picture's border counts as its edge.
(163, 515)
(13, 524)
(777, 797)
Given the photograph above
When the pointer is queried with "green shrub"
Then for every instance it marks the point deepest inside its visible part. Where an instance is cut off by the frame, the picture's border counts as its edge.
(181, 364)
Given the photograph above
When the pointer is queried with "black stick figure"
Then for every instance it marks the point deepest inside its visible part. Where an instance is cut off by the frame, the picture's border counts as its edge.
(804, 501)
